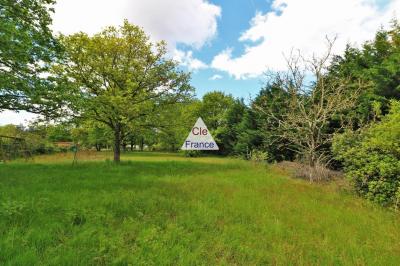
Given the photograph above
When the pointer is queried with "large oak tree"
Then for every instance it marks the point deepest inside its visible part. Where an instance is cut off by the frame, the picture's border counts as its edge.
(122, 78)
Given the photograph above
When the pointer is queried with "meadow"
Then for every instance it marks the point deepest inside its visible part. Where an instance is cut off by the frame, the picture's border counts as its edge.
(165, 209)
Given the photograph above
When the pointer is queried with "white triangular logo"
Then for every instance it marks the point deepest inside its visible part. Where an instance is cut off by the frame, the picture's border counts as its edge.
(199, 138)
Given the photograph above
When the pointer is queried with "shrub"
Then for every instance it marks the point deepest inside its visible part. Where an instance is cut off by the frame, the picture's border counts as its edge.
(319, 172)
(259, 156)
(192, 153)
(371, 158)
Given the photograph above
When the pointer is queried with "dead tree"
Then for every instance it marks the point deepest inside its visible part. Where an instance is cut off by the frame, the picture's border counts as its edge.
(314, 99)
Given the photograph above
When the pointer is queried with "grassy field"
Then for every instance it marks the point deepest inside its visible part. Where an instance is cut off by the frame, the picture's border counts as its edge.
(164, 209)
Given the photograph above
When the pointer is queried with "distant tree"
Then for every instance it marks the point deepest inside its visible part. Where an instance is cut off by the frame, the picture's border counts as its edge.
(91, 134)
(27, 48)
(212, 110)
(11, 130)
(58, 132)
(34, 141)
(175, 124)
(142, 135)
(213, 107)
(274, 98)
(99, 135)
(228, 132)
(249, 133)
(121, 78)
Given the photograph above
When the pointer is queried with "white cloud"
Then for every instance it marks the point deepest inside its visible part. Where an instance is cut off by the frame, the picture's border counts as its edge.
(186, 59)
(215, 77)
(303, 25)
(11, 117)
(190, 22)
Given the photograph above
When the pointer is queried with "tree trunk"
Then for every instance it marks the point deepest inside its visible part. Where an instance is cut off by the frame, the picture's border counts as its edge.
(98, 147)
(312, 164)
(142, 144)
(117, 144)
(132, 145)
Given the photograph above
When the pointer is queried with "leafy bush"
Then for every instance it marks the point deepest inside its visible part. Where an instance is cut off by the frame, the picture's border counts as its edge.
(371, 158)
(192, 153)
(259, 156)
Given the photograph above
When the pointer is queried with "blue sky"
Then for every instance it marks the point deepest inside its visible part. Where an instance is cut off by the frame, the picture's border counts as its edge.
(235, 19)
(229, 44)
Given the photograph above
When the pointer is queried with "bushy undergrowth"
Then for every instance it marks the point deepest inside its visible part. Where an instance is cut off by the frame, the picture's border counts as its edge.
(371, 158)
(192, 153)
(259, 156)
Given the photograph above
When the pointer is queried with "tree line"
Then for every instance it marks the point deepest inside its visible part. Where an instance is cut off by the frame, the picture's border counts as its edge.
(117, 89)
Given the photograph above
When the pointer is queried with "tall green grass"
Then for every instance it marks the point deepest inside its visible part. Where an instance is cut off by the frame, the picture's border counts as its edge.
(163, 209)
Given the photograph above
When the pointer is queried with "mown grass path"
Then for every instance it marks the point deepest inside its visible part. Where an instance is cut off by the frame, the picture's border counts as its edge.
(164, 209)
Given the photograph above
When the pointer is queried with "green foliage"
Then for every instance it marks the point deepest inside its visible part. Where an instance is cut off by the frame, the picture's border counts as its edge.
(174, 123)
(58, 132)
(91, 134)
(27, 48)
(31, 142)
(121, 79)
(11, 131)
(248, 133)
(258, 156)
(371, 157)
(264, 130)
(213, 107)
(377, 63)
(227, 134)
(192, 153)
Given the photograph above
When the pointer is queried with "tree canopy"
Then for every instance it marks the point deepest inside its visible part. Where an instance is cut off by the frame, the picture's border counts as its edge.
(27, 48)
(120, 78)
